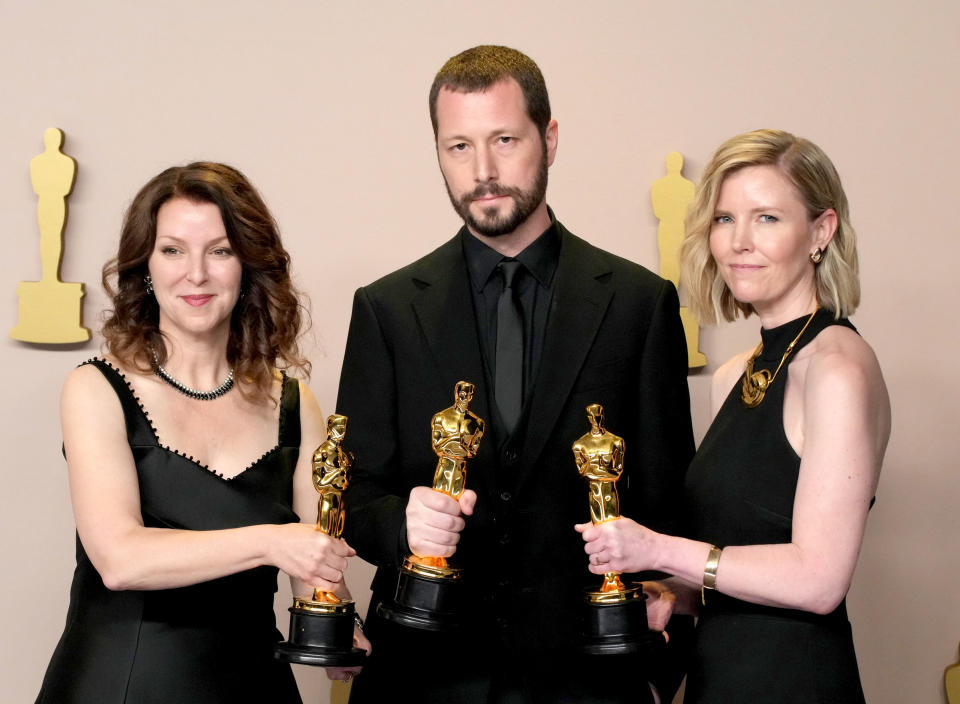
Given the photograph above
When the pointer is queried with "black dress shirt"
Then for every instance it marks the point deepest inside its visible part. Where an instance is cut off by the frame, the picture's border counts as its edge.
(534, 286)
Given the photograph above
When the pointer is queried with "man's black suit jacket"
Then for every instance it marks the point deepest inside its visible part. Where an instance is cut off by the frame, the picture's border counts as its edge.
(613, 337)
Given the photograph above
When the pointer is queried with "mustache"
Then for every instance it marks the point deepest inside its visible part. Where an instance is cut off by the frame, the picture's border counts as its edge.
(491, 189)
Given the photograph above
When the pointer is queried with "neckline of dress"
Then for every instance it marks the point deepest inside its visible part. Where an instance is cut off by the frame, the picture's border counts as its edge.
(190, 458)
(775, 340)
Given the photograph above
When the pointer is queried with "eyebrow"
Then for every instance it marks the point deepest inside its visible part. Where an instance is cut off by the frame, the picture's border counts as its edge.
(174, 238)
(758, 209)
(499, 131)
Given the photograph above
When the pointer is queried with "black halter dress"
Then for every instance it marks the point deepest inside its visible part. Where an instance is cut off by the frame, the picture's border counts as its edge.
(739, 491)
(208, 643)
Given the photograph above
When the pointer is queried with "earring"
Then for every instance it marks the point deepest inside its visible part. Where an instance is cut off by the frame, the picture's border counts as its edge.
(148, 283)
(816, 255)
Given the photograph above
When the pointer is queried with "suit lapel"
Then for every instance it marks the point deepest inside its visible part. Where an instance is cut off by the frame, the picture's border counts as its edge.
(444, 310)
(580, 302)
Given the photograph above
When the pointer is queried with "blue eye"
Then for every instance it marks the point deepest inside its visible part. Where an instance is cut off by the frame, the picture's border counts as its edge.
(768, 218)
(722, 219)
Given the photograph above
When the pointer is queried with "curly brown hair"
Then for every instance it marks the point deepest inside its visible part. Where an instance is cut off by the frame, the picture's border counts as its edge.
(266, 322)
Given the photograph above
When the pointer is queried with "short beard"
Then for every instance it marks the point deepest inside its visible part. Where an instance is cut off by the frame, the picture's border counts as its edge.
(524, 204)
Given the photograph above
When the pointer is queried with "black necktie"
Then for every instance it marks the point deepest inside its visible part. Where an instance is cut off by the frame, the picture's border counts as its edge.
(508, 385)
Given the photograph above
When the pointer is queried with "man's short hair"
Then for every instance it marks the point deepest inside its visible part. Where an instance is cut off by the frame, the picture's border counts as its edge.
(476, 69)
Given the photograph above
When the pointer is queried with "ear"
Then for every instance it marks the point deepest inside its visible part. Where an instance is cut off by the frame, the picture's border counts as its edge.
(550, 138)
(824, 228)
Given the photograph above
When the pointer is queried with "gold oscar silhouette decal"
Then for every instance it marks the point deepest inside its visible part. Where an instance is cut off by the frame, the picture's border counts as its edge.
(671, 196)
(951, 681)
(50, 310)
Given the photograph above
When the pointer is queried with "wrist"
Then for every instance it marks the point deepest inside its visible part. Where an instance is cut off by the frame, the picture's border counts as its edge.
(659, 552)
(265, 542)
(403, 544)
(710, 572)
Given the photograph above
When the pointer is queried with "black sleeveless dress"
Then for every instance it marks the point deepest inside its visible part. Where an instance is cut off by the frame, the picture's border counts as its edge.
(208, 643)
(739, 491)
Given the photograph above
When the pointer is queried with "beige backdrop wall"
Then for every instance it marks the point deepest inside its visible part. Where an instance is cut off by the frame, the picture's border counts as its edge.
(323, 105)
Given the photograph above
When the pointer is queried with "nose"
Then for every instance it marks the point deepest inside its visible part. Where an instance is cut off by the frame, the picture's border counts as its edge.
(484, 165)
(742, 237)
(197, 271)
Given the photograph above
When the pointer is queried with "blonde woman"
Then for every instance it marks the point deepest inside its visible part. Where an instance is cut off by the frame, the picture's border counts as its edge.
(778, 493)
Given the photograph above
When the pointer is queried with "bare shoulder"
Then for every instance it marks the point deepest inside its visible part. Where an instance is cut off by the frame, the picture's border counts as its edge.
(89, 406)
(841, 371)
(86, 382)
(725, 377)
(308, 402)
(311, 417)
(839, 355)
(844, 397)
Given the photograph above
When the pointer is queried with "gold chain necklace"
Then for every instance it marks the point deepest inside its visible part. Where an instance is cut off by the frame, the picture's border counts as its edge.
(755, 384)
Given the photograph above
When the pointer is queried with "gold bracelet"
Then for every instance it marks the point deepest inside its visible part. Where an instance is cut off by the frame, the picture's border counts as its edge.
(710, 572)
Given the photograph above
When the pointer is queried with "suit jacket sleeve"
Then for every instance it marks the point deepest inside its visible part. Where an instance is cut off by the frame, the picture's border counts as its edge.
(666, 433)
(666, 436)
(375, 505)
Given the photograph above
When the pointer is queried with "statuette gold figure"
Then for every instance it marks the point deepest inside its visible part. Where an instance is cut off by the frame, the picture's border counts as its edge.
(455, 435)
(331, 466)
(599, 458)
(456, 438)
(615, 617)
(430, 591)
(321, 628)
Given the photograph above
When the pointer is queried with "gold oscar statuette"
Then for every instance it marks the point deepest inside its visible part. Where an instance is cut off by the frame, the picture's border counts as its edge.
(615, 610)
(428, 593)
(321, 628)
(455, 437)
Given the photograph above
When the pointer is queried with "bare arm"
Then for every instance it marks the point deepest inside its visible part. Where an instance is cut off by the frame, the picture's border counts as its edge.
(106, 504)
(845, 425)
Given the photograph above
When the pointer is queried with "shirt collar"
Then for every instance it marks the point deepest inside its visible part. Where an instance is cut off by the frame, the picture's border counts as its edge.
(540, 257)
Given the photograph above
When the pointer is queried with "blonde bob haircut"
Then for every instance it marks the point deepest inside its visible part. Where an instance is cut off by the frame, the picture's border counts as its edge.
(817, 182)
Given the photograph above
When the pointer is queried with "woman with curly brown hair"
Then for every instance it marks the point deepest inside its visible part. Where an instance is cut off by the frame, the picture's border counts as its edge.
(189, 455)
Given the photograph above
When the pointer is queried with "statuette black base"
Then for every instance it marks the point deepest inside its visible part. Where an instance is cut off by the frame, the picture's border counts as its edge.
(617, 628)
(424, 602)
(321, 637)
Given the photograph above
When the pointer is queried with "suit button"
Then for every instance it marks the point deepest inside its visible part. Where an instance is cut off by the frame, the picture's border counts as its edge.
(505, 496)
(510, 458)
(504, 539)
